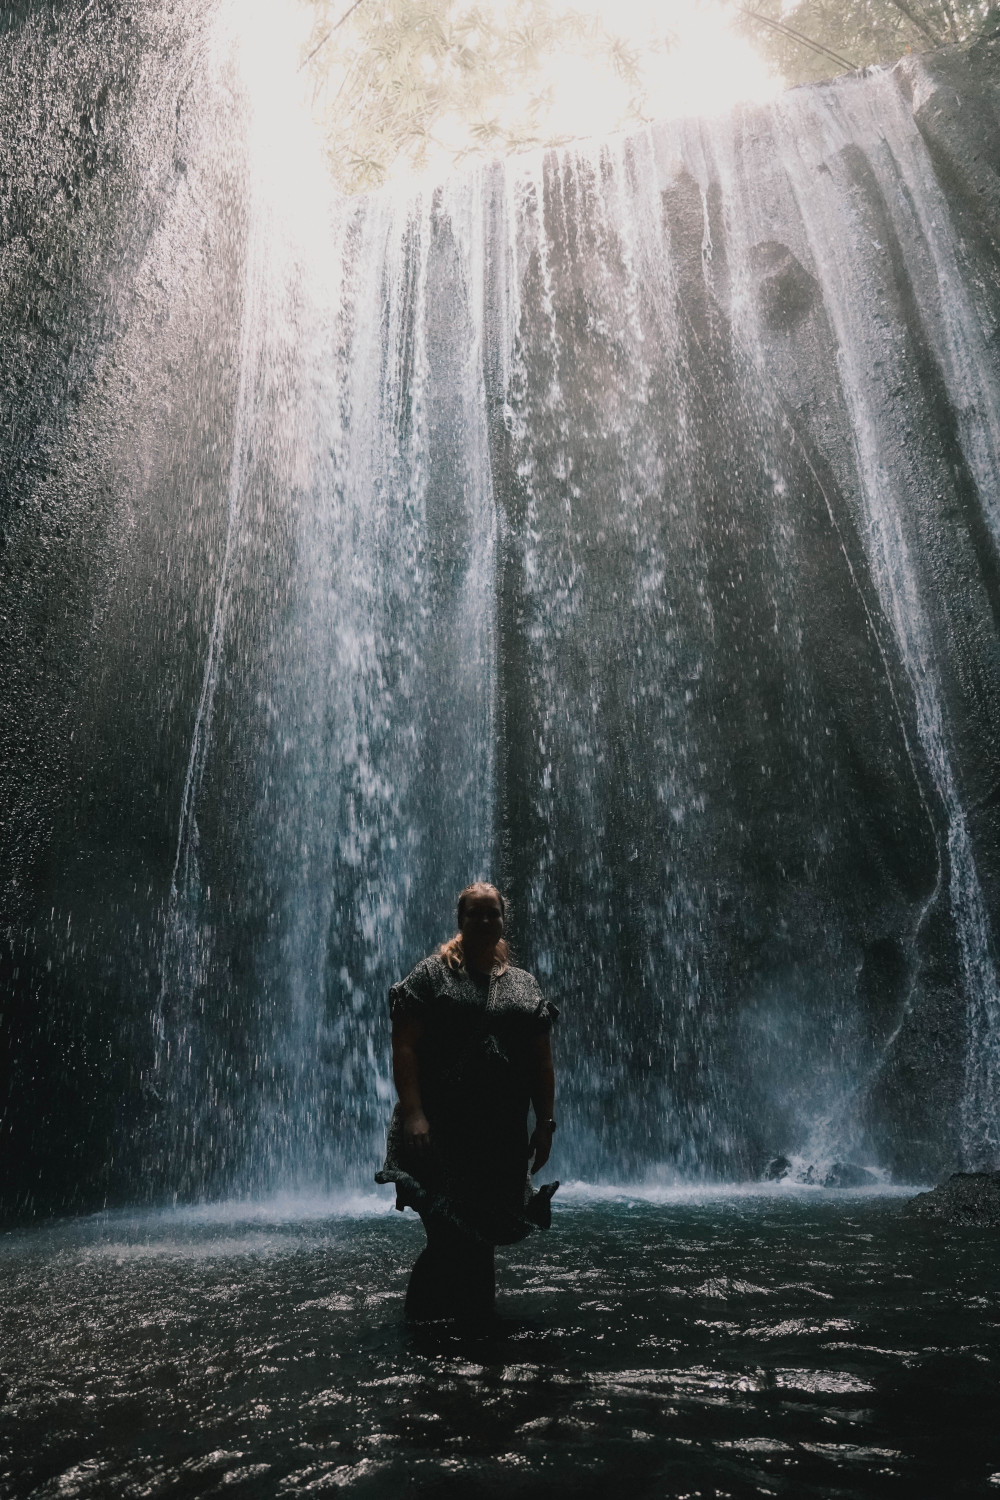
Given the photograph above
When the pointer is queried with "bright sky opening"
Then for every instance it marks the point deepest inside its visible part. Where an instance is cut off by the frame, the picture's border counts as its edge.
(691, 61)
(688, 60)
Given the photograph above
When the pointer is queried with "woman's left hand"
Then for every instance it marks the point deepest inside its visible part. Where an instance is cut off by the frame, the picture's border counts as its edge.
(539, 1147)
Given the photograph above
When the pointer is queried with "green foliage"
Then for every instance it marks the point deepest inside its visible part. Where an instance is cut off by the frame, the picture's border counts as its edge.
(394, 79)
(860, 31)
(396, 82)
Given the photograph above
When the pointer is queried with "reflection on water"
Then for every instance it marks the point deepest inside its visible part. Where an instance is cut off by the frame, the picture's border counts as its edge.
(685, 1344)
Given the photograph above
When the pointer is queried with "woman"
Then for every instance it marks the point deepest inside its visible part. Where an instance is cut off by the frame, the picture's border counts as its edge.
(470, 1052)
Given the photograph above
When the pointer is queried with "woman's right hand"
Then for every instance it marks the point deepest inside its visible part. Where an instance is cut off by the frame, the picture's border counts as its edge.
(416, 1132)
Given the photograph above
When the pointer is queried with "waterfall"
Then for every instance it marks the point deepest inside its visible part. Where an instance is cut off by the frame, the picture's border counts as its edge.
(618, 524)
(777, 193)
(359, 405)
(388, 710)
(919, 217)
(179, 1067)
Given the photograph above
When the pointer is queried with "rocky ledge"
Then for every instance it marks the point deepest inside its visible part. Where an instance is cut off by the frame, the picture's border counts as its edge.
(966, 1198)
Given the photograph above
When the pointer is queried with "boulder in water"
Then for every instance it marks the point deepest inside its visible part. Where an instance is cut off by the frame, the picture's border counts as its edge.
(844, 1174)
(841, 1175)
(966, 1198)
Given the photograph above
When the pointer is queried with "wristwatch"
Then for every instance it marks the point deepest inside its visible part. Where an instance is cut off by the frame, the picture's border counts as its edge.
(549, 1125)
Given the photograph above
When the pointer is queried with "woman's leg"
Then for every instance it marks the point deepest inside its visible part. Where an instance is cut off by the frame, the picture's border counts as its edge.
(453, 1277)
(475, 1279)
(470, 1275)
(424, 1292)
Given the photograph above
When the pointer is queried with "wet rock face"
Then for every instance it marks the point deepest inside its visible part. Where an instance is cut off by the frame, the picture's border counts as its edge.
(122, 233)
(785, 289)
(966, 1198)
(954, 94)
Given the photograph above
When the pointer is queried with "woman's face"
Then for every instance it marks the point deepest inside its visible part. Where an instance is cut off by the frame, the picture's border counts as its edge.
(482, 925)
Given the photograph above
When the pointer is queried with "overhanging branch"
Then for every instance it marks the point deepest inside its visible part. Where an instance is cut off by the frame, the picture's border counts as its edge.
(915, 19)
(798, 36)
(328, 34)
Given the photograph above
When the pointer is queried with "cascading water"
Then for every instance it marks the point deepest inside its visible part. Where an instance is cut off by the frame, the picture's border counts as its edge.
(375, 770)
(179, 1067)
(620, 524)
(918, 216)
(755, 257)
(387, 715)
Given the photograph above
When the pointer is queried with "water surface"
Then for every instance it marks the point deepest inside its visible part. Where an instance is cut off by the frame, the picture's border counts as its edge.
(681, 1344)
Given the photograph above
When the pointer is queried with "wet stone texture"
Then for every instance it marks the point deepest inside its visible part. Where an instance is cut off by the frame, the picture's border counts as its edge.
(790, 1346)
(966, 1198)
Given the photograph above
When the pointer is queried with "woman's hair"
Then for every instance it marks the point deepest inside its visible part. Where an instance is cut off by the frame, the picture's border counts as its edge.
(452, 951)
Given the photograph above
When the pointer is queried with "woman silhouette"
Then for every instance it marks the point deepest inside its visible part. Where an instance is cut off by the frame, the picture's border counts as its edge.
(470, 1053)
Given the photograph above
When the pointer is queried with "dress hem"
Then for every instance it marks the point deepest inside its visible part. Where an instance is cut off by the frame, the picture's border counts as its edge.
(486, 1225)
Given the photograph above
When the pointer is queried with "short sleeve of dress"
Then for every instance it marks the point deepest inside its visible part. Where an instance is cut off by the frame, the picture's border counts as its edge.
(543, 1016)
(408, 999)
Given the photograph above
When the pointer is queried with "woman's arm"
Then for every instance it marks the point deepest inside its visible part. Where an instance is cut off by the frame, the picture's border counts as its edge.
(543, 1094)
(406, 1034)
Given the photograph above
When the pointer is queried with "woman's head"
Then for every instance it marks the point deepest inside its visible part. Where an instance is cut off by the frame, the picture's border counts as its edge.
(481, 901)
(479, 941)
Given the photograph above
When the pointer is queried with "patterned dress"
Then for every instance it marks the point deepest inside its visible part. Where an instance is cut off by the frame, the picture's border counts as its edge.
(473, 1059)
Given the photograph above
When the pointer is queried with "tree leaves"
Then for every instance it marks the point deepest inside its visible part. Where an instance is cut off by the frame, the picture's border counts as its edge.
(393, 79)
(396, 82)
(862, 31)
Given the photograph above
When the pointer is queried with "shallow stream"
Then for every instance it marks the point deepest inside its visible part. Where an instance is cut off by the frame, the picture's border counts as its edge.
(791, 1343)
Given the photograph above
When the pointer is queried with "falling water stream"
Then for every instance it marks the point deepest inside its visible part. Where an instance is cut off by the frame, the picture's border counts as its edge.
(619, 523)
(604, 475)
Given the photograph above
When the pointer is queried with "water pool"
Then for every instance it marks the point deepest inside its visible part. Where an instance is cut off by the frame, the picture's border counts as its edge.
(677, 1344)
